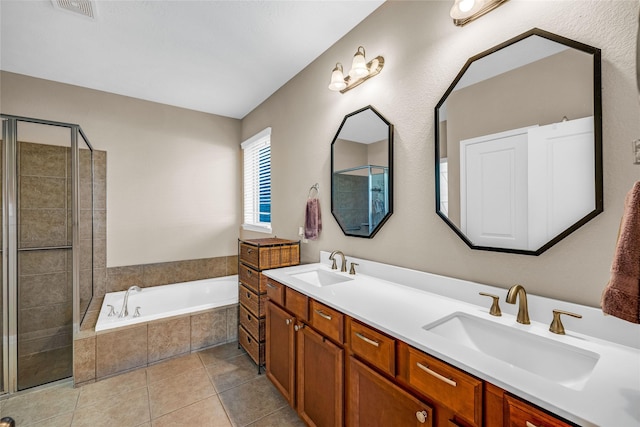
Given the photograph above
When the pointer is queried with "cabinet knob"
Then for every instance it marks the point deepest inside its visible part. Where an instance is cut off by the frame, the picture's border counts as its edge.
(298, 327)
(422, 416)
(287, 321)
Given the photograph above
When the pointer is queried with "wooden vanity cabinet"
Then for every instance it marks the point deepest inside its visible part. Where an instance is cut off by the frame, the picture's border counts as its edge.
(335, 371)
(305, 366)
(374, 401)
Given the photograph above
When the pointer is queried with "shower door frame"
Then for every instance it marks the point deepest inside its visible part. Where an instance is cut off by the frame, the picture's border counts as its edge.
(10, 240)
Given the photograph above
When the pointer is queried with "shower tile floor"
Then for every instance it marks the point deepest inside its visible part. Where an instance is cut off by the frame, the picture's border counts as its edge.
(217, 387)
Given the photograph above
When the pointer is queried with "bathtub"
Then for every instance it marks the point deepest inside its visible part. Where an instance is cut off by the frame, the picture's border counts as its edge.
(159, 302)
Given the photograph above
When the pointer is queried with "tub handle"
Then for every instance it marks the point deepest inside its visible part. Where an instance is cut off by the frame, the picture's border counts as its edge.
(136, 313)
(112, 312)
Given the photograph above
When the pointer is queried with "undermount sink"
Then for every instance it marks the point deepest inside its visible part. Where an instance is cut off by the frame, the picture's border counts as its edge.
(320, 278)
(562, 363)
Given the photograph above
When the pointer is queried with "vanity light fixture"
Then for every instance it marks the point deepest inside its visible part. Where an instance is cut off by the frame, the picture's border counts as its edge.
(361, 70)
(465, 11)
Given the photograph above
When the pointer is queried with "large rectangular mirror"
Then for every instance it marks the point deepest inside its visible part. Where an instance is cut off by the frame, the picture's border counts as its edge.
(519, 144)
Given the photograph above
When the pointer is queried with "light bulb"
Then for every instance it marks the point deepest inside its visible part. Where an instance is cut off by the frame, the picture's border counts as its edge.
(337, 79)
(359, 66)
(466, 5)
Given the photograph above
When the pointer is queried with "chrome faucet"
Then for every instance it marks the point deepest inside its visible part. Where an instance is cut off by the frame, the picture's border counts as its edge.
(343, 267)
(125, 310)
(523, 309)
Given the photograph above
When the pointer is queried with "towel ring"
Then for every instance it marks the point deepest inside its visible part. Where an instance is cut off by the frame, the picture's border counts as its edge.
(316, 187)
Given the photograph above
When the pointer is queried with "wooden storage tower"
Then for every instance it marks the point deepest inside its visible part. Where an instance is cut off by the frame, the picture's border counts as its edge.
(255, 256)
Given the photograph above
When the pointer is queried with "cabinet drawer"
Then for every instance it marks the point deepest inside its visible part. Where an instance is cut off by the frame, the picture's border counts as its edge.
(250, 300)
(270, 253)
(250, 255)
(297, 304)
(373, 346)
(521, 414)
(252, 279)
(328, 321)
(450, 386)
(252, 324)
(275, 291)
(253, 347)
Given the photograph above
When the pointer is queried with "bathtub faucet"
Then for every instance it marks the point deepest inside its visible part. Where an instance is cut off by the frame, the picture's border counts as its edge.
(125, 310)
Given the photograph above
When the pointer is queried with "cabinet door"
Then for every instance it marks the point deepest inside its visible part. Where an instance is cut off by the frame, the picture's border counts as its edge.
(374, 401)
(280, 351)
(320, 379)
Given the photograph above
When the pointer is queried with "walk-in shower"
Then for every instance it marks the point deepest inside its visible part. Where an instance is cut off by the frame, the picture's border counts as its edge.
(47, 248)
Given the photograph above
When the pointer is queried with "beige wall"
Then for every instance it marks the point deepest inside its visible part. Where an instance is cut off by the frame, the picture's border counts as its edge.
(172, 174)
(423, 53)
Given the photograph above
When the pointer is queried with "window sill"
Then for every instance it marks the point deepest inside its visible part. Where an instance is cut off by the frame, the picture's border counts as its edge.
(257, 228)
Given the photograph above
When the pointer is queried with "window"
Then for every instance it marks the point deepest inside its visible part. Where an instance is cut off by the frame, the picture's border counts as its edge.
(257, 182)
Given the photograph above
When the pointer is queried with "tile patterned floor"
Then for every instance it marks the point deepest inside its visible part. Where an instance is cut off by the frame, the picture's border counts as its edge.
(217, 387)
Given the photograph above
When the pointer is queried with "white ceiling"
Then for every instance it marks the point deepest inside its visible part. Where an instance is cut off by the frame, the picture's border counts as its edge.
(220, 57)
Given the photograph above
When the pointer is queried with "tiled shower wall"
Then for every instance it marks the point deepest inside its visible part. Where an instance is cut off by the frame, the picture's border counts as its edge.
(352, 195)
(45, 276)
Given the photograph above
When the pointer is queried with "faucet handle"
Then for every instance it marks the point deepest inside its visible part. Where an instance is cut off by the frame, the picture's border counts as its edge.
(556, 324)
(112, 312)
(334, 266)
(495, 306)
(352, 270)
(137, 312)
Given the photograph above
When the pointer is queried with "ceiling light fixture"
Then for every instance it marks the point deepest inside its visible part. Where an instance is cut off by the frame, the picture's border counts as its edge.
(361, 70)
(465, 11)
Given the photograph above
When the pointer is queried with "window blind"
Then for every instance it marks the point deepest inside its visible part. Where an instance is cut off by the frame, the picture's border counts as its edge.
(257, 182)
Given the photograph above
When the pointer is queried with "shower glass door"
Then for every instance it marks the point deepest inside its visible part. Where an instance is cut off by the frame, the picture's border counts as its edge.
(47, 248)
(44, 260)
(3, 307)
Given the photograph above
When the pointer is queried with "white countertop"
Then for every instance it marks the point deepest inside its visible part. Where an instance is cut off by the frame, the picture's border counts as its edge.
(411, 299)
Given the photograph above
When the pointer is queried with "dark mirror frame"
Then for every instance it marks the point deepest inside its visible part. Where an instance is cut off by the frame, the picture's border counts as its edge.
(597, 115)
(390, 174)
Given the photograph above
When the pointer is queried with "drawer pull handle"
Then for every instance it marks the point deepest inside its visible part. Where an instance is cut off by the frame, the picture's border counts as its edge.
(367, 340)
(437, 375)
(249, 295)
(422, 416)
(530, 424)
(249, 272)
(269, 285)
(323, 314)
(249, 317)
(249, 250)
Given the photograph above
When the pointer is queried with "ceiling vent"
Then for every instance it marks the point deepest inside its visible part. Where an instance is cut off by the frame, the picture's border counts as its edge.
(86, 8)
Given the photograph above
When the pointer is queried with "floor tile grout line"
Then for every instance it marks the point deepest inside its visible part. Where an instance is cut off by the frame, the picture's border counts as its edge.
(266, 415)
(146, 373)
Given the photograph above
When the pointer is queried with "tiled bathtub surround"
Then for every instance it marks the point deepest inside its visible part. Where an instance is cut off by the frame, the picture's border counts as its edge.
(101, 355)
(146, 275)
